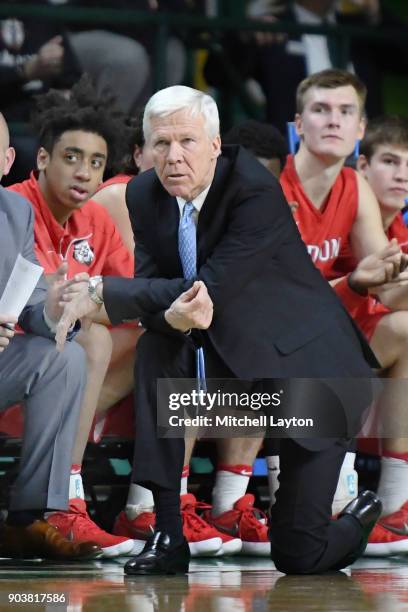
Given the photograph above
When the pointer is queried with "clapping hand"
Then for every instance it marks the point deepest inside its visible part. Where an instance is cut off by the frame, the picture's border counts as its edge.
(384, 269)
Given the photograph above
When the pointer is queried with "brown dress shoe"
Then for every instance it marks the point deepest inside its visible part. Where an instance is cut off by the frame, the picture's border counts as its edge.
(42, 540)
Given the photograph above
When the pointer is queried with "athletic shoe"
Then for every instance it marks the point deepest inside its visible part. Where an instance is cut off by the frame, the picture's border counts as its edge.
(246, 523)
(202, 538)
(139, 528)
(390, 535)
(77, 526)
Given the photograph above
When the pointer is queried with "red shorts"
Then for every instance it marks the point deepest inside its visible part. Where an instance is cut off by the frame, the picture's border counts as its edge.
(368, 316)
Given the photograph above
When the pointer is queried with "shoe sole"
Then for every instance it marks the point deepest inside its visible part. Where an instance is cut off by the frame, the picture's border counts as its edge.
(387, 549)
(170, 571)
(138, 546)
(233, 547)
(256, 549)
(117, 550)
(205, 548)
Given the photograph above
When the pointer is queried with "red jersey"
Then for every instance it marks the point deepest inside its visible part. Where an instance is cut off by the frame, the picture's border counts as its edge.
(323, 231)
(119, 178)
(326, 234)
(88, 241)
(370, 311)
(399, 230)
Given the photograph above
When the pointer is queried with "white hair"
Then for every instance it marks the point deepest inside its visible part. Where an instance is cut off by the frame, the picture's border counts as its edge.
(178, 97)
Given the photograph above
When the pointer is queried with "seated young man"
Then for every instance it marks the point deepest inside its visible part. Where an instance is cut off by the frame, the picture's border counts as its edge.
(263, 140)
(50, 385)
(383, 162)
(76, 136)
(334, 206)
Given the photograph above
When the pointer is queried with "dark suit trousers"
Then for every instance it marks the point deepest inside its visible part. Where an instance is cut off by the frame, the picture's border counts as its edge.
(304, 539)
(158, 461)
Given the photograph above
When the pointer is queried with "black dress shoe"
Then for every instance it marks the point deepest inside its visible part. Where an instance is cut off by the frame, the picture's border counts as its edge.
(366, 509)
(160, 557)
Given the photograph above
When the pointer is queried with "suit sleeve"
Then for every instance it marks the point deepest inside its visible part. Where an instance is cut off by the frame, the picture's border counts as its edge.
(146, 296)
(133, 298)
(31, 319)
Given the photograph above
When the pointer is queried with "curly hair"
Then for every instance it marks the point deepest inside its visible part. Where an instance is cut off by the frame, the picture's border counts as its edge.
(262, 139)
(125, 163)
(81, 109)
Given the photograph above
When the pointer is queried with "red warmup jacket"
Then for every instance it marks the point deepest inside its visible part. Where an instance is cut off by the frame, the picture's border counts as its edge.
(88, 241)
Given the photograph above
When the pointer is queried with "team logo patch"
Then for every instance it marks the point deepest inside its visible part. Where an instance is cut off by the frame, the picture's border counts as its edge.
(83, 253)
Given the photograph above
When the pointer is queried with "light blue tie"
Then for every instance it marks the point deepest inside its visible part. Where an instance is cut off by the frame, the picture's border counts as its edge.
(187, 240)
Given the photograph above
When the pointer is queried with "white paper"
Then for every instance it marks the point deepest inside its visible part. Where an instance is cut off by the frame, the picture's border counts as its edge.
(22, 282)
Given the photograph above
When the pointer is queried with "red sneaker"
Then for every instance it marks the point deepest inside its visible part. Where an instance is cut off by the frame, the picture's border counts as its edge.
(202, 538)
(390, 535)
(230, 544)
(139, 528)
(77, 526)
(247, 523)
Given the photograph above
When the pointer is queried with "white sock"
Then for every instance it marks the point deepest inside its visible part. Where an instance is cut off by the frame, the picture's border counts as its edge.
(272, 463)
(139, 500)
(393, 485)
(76, 488)
(184, 479)
(184, 485)
(347, 485)
(228, 488)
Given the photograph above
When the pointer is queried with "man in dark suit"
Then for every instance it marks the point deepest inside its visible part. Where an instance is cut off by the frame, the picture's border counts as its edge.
(274, 318)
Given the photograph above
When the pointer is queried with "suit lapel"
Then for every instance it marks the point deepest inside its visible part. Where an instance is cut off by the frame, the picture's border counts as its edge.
(167, 222)
(207, 219)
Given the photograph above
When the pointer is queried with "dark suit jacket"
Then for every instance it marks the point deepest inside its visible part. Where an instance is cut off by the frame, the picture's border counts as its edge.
(274, 314)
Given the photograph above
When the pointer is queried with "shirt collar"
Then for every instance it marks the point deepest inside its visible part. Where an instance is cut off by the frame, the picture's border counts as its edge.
(197, 202)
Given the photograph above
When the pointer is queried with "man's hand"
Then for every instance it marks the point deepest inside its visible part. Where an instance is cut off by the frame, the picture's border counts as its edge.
(76, 305)
(378, 269)
(61, 291)
(193, 309)
(7, 323)
(47, 62)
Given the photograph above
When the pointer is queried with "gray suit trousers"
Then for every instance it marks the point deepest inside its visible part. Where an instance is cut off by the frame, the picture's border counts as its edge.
(51, 385)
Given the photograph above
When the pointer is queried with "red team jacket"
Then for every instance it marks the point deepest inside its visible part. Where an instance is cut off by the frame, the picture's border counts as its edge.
(89, 240)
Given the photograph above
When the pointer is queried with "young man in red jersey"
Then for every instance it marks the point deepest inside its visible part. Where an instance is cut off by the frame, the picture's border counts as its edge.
(334, 206)
(75, 135)
(383, 162)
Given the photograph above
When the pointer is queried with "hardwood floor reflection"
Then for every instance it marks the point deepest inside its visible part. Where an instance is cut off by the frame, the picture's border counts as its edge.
(238, 585)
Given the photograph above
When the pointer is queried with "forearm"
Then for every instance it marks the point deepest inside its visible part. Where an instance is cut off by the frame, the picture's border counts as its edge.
(101, 317)
(394, 299)
(127, 298)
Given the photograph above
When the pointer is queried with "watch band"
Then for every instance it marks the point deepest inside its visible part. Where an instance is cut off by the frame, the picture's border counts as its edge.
(93, 282)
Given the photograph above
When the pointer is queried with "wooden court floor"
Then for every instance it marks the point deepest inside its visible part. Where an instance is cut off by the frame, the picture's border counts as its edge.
(231, 585)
